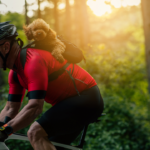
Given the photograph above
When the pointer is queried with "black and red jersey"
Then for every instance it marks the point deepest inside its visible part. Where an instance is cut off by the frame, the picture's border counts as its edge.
(34, 77)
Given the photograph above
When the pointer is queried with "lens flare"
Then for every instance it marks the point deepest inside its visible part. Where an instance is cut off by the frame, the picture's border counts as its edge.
(99, 7)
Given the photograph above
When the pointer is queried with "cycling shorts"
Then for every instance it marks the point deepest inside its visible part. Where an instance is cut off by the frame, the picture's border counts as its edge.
(65, 120)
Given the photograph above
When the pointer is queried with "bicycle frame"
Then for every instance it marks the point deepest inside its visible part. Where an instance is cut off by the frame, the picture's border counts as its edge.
(25, 138)
(16, 136)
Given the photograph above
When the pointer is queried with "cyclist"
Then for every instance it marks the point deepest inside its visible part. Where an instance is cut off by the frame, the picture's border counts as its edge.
(69, 112)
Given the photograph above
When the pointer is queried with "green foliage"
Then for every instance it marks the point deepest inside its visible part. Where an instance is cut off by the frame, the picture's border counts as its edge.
(118, 66)
(17, 19)
(120, 129)
(22, 36)
(121, 77)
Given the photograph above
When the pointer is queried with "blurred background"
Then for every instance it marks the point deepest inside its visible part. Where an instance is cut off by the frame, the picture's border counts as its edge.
(114, 36)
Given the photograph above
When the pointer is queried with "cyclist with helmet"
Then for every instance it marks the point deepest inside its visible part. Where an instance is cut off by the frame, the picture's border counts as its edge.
(70, 110)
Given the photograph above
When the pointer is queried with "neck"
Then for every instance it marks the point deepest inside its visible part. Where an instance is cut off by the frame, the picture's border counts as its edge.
(12, 55)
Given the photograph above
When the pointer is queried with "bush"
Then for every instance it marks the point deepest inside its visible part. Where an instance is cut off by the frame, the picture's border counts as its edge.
(120, 129)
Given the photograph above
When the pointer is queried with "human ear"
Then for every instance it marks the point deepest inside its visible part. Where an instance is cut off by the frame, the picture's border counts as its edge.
(7, 47)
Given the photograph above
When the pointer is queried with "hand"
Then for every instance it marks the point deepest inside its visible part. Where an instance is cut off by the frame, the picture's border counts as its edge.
(5, 131)
(3, 135)
(1, 123)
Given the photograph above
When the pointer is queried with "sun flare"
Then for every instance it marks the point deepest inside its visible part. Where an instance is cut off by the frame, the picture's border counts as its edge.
(99, 7)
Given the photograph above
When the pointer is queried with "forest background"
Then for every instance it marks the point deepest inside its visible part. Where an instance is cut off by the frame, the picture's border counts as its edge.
(114, 47)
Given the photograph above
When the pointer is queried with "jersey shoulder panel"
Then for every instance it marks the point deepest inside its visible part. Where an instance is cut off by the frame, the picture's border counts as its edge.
(36, 71)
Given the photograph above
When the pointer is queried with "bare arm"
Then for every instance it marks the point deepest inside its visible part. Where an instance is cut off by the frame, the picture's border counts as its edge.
(11, 110)
(27, 114)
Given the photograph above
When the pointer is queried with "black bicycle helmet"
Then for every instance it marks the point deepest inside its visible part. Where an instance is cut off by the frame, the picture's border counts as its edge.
(7, 31)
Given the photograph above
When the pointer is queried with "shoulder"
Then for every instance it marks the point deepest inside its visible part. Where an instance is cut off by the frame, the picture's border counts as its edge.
(35, 62)
(33, 58)
(32, 54)
(36, 55)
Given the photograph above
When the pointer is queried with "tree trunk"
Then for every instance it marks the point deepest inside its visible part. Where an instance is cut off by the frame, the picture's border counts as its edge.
(56, 15)
(145, 4)
(85, 23)
(68, 21)
(26, 11)
(1, 82)
(78, 22)
(146, 24)
(81, 20)
(39, 10)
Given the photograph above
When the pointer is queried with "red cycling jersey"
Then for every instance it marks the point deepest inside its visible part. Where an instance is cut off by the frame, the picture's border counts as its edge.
(34, 77)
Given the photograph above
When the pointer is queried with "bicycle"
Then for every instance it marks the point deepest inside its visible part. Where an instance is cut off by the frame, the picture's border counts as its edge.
(16, 136)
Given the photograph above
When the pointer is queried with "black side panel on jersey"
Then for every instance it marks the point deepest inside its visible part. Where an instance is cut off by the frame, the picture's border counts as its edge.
(15, 77)
(15, 97)
(23, 56)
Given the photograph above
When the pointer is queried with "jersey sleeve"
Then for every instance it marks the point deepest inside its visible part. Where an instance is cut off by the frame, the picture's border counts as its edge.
(36, 73)
(16, 91)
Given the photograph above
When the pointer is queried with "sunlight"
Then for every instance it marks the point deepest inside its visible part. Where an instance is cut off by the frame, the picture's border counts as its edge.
(71, 2)
(116, 3)
(2, 7)
(99, 7)
(30, 1)
(11, 6)
(46, 4)
(30, 13)
(33, 7)
(61, 6)
(133, 2)
(119, 3)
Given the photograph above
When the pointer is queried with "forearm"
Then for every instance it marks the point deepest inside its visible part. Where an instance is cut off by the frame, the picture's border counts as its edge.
(25, 117)
(9, 112)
